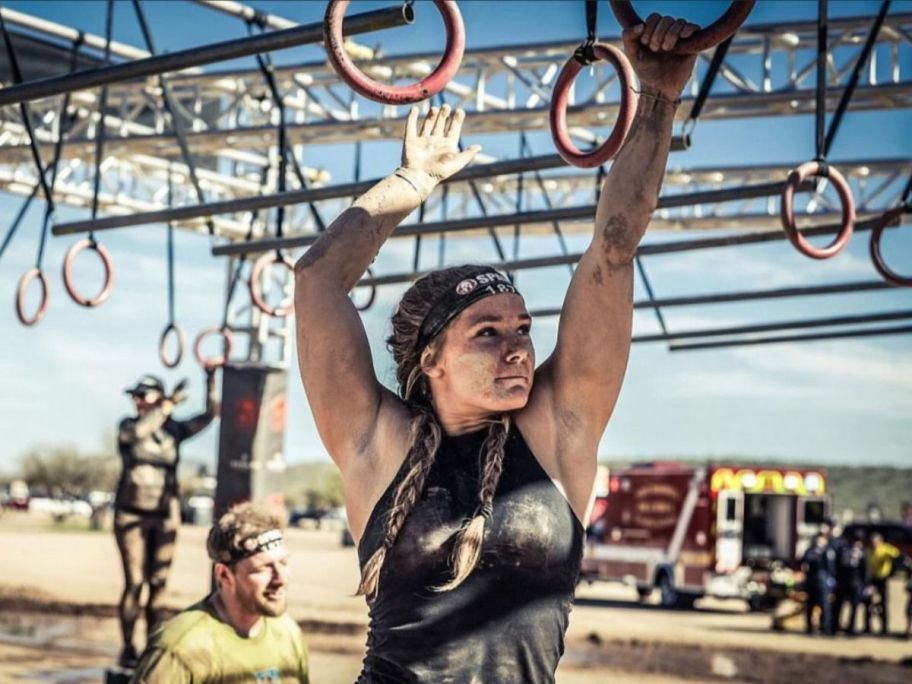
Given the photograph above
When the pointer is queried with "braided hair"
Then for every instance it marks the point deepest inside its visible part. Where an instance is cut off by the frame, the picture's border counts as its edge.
(426, 435)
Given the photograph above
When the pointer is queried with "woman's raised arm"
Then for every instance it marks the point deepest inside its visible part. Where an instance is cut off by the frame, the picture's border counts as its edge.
(333, 353)
(581, 381)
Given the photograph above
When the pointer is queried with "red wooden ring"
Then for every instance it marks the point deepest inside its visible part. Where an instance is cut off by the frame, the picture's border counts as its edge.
(561, 95)
(24, 282)
(796, 178)
(68, 272)
(215, 361)
(704, 38)
(176, 329)
(256, 293)
(877, 256)
(390, 94)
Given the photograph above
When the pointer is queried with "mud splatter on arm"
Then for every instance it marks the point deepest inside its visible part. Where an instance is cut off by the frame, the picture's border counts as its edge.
(585, 372)
(631, 188)
(342, 254)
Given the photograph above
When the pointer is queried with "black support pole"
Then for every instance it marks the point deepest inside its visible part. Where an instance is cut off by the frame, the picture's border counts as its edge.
(778, 339)
(206, 54)
(539, 216)
(301, 196)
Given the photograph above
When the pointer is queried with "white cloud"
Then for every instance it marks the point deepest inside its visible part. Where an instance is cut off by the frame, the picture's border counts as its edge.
(866, 364)
(740, 383)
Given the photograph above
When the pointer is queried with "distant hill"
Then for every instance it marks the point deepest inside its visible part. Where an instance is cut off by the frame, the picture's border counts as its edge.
(852, 487)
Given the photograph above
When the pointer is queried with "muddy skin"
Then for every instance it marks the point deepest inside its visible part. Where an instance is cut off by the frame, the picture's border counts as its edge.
(620, 242)
(597, 276)
(569, 421)
(361, 225)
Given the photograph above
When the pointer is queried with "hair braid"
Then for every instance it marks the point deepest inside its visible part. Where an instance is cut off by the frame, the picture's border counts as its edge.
(425, 440)
(468, 542)
(426, 433)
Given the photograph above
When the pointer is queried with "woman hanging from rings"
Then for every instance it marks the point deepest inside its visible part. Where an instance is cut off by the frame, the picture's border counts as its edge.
(467, 490)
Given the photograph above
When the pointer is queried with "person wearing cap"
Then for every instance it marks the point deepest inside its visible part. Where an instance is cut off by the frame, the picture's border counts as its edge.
(241, 632)
(146, 505)
(466, 489)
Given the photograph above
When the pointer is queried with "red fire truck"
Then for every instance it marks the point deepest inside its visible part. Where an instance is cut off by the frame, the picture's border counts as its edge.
(692, 531)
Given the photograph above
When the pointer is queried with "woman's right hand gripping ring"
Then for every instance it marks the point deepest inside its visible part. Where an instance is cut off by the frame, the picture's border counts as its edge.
(561, 96)
(710, 36)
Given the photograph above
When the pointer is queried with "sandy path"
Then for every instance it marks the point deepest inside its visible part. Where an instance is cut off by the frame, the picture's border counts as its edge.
(83, 569)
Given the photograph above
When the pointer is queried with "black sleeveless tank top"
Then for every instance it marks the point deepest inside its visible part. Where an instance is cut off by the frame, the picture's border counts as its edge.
(505, 624)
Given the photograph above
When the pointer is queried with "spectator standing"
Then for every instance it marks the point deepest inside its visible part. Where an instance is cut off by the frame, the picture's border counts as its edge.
(881, 561)
(819, 570)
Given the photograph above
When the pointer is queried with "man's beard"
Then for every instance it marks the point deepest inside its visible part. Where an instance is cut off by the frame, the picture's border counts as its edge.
(261, 605)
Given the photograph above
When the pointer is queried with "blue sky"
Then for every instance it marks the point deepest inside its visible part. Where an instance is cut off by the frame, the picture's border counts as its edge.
(844, 401)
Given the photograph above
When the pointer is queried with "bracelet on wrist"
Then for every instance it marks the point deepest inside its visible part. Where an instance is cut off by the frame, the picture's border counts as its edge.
(400, 173)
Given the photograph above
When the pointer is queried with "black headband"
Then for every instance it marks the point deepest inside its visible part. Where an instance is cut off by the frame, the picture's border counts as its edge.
(251, 546)
(456, 299)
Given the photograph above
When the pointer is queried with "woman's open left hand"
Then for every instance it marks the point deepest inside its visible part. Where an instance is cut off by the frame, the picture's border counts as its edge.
(434, 149)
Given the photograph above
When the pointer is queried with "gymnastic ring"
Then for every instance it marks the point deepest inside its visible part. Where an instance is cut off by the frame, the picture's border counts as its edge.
(215, 361)
(796, 178)
(179, 333)
(370, 300)
(24, 282)
(256, 293)
(390, 94)
(877, 256)
(704, 38)
(68, 272)
(626, 111)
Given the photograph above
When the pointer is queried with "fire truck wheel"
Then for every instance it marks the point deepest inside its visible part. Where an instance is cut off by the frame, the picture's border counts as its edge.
(668, 592)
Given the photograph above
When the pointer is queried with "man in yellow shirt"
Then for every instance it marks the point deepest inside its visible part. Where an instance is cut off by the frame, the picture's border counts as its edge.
(240, 633)
(881, 565)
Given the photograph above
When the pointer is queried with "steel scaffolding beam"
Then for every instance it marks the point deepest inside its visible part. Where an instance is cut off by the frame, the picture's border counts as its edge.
(232, 129)
(688, 245)
(729, 297)
(755, 328)
(542, 216)
(875, 181)
(198, 56)
(779, 339)
(300, 196)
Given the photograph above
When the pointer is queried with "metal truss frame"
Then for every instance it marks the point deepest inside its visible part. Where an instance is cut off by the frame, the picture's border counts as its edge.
(231, 122)
(231, 125)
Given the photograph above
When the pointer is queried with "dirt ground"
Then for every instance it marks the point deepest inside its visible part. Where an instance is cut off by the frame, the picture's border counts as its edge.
(59, 589)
